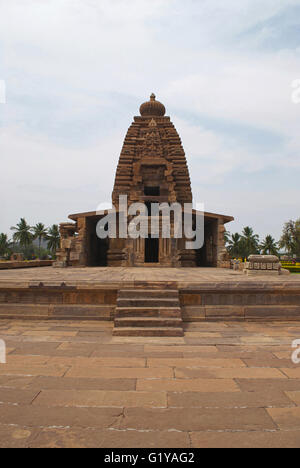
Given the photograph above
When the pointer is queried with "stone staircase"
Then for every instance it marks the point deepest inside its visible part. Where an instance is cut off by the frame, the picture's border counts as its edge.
(148, 312)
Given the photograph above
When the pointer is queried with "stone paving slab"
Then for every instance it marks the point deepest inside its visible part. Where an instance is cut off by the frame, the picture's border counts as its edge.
(91, 438)
(257, 439)
(105, 277)
(187, 385)
(232, 400)
(243, 373)
(197, 419)
(71, 384)
(98, 399)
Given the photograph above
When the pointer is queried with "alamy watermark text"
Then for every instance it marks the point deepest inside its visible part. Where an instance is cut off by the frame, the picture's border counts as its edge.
(160, 220)
(2, 352)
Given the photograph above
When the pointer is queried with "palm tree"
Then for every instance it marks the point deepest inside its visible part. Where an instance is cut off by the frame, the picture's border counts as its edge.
(234, 245)
(290, 239)
(4, 245)
(249, 242)
(22, 233)
(53, 238)
(297, 237)
(269, 246)
(226, 237)
(39, 232)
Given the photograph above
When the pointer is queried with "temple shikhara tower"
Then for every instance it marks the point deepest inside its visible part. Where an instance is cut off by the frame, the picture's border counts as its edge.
(152, 169)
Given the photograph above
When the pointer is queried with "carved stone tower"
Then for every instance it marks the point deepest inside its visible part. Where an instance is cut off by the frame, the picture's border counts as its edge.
(153, 157)
(152, 168)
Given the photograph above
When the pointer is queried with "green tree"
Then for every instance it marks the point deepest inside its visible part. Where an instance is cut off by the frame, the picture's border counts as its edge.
(22, 235)
(227, 237)
(249, 243)
(53, 238)
(4, 245)
(39, 232)
(290, 239)
(234, 245)
(269, 246)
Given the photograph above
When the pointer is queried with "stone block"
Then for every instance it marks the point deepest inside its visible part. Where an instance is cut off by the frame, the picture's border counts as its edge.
(98, 398)
(197, 419)
(223, 312)
(279, 312)
(257, 439)
(286, 418)
(188, 385)
(24, 310)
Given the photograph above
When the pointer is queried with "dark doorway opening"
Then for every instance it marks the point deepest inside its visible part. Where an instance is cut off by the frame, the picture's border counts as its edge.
(149, 207)
(152, 191)
(207, 256)
(97, 249)
(101, 252)
(201, 259)
(151, 250)
(98, 254)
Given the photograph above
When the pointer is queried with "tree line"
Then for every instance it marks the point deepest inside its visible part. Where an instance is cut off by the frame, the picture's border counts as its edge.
(23, 237)
(247, 243)
(238, 245)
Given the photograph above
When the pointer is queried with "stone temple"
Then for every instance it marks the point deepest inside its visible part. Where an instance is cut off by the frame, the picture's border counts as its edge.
(152, 169)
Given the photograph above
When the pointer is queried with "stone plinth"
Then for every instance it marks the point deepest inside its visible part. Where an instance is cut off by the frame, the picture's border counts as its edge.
(264, 265)
(92, 294)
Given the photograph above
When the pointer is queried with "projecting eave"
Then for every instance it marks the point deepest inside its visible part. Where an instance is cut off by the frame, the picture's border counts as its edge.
(89, 214)
(226, 219)
(94, 214)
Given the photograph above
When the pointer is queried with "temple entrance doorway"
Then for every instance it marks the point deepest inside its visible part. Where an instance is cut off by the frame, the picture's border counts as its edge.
(151, 250)
(96, 248)
(98, 251)
(207, 255)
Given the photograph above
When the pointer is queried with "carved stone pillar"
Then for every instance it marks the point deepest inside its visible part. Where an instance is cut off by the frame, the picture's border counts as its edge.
(81, 242)
(222, 253)
(67, 239)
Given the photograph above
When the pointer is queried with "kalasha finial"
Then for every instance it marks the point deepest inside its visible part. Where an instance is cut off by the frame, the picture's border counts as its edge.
(152, 108)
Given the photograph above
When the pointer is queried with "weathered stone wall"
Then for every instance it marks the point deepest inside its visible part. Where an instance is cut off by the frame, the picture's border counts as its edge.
(203, 302)
(57, 303)
(256, 301)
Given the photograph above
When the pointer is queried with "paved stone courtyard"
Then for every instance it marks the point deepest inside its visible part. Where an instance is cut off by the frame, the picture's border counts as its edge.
(103, 275)
(71, 384)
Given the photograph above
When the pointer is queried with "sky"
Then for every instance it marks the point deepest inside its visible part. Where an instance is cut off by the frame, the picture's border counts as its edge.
(76, 72)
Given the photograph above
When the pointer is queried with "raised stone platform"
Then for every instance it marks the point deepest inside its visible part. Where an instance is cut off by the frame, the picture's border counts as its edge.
(12, 265)
(205, 294)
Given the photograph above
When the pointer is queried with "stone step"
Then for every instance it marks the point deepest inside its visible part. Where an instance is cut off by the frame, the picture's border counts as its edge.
(169, 312)
(151, 293)
(147, 302)
(150, 322)
(148, 311)
(148, 332)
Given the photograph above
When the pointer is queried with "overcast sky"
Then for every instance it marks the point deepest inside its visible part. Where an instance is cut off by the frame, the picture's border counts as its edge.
(76, 72)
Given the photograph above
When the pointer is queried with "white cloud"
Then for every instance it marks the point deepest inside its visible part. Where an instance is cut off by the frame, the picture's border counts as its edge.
(254, 91)
(76, 71)
(45, 181)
